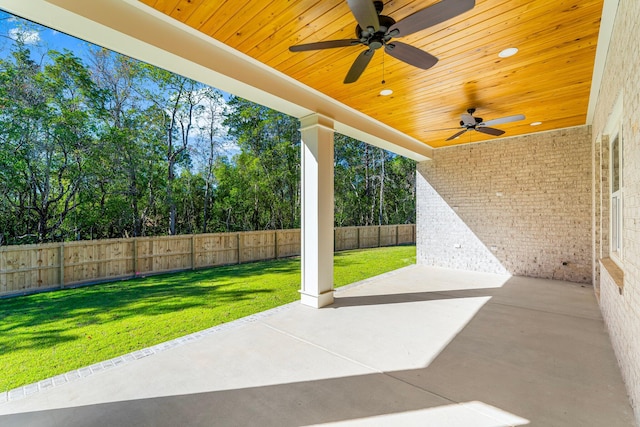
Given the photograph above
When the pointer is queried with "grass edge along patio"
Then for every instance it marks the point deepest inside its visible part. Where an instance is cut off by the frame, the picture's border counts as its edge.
(48, 334)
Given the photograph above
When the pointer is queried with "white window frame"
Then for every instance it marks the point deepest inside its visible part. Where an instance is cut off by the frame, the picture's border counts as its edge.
(616, 198)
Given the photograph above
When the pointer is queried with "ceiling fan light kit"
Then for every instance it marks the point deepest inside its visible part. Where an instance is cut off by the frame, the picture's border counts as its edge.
(376, 31)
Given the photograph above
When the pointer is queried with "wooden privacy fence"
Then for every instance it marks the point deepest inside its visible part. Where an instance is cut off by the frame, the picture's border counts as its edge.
(31, 268)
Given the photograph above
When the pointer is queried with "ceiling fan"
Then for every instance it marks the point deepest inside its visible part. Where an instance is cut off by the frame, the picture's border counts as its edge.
(469, 122)
(375, 31)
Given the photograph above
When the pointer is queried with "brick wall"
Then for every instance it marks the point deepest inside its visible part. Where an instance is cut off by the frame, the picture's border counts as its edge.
(621, 310)
(600, 206)
(520, 205)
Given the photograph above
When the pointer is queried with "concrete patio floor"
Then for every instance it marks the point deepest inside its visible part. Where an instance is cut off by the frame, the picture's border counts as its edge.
(419, 346)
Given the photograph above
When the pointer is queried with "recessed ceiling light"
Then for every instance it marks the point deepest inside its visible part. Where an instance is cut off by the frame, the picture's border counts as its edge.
(386, 92)
(536, 123)
(508, 52)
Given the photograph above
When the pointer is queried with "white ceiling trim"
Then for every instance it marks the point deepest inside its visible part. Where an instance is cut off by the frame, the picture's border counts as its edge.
(136, 30)
(609, 10)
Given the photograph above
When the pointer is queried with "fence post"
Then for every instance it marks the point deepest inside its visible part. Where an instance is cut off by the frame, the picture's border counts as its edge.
(358, 230)
(61, 264)
(379, 232)
(193, 253)
(334, 239)
(135, 257)
(275, 243)
(397, 235)
(238, 236)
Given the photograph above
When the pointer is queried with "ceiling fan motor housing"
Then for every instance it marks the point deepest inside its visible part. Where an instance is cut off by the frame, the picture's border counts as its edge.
(477, 119)
(377, 39)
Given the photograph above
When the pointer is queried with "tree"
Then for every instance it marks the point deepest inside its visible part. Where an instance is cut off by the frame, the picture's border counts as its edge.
(268, 175)
(118, 148)
(400, 198)
(372, 186)
(212, 134)
(48, 114)
(176, 105)
(132, 153)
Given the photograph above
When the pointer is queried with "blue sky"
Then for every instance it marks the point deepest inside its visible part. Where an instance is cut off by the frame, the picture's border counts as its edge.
(40, 39)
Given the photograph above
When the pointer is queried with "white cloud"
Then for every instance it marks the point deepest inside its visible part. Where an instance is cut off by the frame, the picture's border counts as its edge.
(26, 35)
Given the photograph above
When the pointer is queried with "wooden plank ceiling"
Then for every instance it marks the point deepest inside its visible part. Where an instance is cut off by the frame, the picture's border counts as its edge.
(548, 80)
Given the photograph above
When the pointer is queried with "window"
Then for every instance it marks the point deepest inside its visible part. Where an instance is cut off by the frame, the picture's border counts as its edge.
(616, 165)
(616, 195)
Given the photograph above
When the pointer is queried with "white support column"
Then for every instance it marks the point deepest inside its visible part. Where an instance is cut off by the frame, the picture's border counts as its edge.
(317, 210)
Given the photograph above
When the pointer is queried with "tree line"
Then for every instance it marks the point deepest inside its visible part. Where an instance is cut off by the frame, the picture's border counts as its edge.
(107, 147)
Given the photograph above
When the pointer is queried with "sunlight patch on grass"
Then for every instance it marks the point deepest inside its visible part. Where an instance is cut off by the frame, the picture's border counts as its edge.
(47, 334)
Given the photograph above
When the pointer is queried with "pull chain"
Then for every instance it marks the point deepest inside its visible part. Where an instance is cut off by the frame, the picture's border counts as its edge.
(383, 82)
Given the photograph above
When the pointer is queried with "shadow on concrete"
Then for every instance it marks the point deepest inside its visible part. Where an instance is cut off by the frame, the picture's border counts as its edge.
(409, 297)
(282, 405)
(535, 362)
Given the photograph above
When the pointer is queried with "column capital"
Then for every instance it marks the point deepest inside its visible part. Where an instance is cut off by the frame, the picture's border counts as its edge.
(316, 120)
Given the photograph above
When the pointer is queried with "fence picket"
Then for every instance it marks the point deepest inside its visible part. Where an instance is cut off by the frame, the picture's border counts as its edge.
(30, 268)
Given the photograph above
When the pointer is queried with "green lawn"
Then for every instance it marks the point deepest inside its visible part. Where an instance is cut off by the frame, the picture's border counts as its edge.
(51, 333)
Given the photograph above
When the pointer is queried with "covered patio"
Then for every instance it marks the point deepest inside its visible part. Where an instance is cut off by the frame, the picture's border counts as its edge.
(418, 346)
(425, 345)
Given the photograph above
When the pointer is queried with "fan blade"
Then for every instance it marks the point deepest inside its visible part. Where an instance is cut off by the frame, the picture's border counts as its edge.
(502, 120)
(468, 120)
(330, 44)
(411, 55)
(359, 65)
(365, 13)
(440, 130)
(490, 131)
(430, 16)
(455, 135)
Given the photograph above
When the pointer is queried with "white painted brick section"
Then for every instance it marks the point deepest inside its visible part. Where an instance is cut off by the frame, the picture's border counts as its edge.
(520, 205)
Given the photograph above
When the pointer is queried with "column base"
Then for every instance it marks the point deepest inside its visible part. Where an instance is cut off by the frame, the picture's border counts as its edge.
(317, 301)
